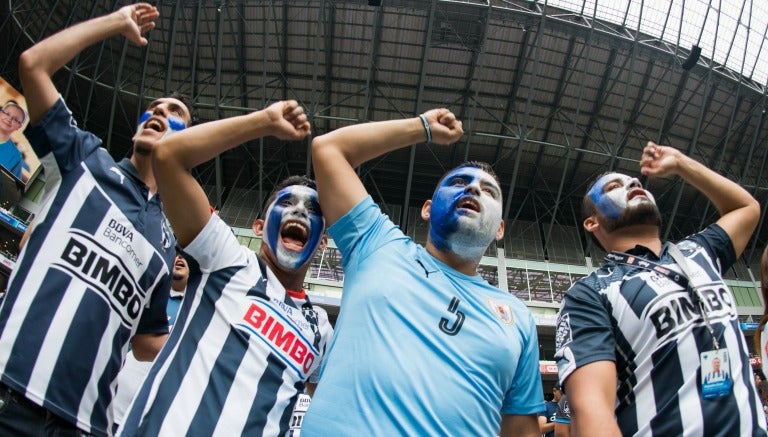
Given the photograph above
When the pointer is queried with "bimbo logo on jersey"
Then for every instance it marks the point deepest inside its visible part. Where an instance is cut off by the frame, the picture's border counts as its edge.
(85, 259)
(280, 335)
(675, 311)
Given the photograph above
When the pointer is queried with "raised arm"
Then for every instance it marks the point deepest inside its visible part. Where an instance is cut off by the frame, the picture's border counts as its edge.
(739, 211)
(336, 154)
(184, 200)
(38, 63)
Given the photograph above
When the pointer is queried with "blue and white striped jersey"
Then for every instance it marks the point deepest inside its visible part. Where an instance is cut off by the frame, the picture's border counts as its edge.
(95, 271)
(239, 353)
(650, 327)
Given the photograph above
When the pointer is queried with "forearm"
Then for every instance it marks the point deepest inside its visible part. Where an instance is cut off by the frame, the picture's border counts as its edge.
(362, 142)
(725, 195)
(52, 53)
(198, 144)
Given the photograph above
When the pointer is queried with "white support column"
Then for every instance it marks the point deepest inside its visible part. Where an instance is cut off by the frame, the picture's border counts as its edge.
(501, 261)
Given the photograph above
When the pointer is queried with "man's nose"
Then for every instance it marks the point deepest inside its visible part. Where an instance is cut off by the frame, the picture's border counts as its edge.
(473, 188)
(160, 109)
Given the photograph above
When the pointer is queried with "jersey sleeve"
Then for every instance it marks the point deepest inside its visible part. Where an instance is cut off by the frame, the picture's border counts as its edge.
(216, 247)
(584, 331)
(57, 135)
(154, 318)
(526, 395)
(718, 245)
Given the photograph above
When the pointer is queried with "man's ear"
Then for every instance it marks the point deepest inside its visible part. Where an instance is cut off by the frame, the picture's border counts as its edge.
(425, 209)
(323, 243)
(500, 231)
(591, 224)
(258, 227)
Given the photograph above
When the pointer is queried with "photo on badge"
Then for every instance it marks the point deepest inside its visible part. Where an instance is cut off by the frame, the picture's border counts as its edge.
(715, 374)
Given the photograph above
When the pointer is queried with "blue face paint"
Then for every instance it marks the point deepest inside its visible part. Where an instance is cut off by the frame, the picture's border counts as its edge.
(604, 203)
(144, 117)
(296, 207)
(460, 230)
(175, 124)
(613, 202)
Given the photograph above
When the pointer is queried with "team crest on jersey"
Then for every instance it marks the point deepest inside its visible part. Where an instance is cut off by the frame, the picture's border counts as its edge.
(502, 311)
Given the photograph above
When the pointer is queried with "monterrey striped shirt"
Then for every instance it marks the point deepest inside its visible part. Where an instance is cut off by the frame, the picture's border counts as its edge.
(100, 254)
(239, 353)
(649, 326)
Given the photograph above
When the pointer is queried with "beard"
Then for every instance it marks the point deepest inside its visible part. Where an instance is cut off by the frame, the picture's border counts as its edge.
(646, 213)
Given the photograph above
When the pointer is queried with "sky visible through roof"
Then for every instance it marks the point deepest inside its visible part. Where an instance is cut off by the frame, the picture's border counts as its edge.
(730, 32)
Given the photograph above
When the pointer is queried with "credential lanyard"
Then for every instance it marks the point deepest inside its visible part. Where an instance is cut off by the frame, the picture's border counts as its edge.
(678, 278)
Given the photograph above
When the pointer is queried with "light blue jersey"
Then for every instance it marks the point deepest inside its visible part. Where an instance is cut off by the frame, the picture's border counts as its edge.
(419, 348)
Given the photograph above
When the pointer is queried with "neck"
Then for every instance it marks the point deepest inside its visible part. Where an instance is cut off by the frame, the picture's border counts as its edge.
(4, 138)
(179, 285)
(143, 167)
(626, 238)
(467, 267)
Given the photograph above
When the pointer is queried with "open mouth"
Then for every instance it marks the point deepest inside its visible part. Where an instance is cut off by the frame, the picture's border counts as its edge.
(155, 125)
(468, 203)
(180, 264)
(294, 235)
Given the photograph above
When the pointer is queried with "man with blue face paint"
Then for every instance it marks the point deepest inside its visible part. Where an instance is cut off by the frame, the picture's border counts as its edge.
(95, 272)
(636, 338)
(246, 338)
(423, 344)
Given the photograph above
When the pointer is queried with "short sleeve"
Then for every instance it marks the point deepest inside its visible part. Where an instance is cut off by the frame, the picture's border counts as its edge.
(154, 318)
(57, 133)
(584, 331)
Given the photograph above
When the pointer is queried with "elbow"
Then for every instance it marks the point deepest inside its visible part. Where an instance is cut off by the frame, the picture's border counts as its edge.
(319, 146)
(322, 151)
(753, 208)
(28, 62)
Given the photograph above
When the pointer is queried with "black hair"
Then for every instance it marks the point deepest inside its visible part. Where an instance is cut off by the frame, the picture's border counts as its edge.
(302, 180)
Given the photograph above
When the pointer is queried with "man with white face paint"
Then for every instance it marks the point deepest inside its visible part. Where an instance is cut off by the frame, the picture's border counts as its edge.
(95, 272)
(635, 338)
(246, 338)
(423, 344)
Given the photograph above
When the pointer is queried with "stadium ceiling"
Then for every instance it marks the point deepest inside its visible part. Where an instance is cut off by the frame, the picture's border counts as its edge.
(552, 94)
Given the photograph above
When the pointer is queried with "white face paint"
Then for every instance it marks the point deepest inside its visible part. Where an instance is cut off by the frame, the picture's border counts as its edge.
(610, 194)
(294, 226)
(465, 213)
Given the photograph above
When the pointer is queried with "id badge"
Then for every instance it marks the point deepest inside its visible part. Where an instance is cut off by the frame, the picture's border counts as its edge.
(716, 379)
